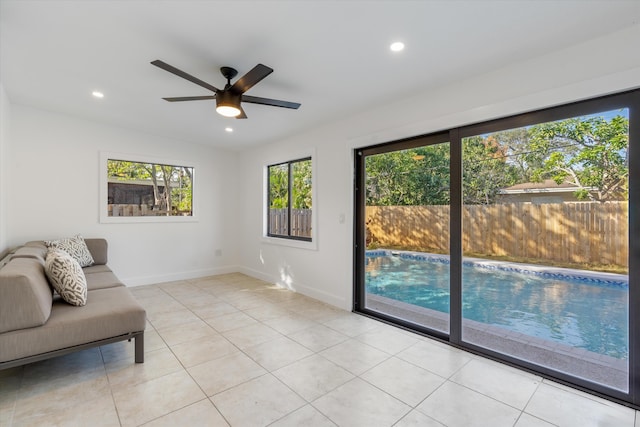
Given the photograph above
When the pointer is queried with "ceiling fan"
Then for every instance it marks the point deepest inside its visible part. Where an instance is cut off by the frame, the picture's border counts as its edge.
(228, 99)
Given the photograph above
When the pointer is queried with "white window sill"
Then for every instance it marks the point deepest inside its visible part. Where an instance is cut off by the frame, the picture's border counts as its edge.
(300, 244)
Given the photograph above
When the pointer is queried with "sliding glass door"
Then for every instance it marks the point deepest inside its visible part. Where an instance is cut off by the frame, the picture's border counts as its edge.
(511, 238)
(545, 240)
(405, 204)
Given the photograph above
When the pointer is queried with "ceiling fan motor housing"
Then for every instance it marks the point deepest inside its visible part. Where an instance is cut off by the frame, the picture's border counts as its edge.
(226, 100)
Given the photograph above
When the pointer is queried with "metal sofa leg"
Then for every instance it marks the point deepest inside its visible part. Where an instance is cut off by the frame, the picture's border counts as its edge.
(139, 348)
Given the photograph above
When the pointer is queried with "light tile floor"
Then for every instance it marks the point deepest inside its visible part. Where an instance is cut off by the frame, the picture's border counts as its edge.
(233, 350)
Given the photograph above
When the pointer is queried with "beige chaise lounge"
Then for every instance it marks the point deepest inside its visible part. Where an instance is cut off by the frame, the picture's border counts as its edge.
(36, 324)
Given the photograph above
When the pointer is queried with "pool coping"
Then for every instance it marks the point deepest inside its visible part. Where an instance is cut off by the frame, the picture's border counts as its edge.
(602, 369)
(571, 274)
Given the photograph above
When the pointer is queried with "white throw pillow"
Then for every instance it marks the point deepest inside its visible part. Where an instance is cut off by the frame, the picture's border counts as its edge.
(66, 277)
(74, 246)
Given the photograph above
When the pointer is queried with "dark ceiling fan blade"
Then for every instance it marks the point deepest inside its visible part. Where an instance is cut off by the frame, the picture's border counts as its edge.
(242, 114)
(247, 81)
(268, 101)
(189, 98)
(180, 73)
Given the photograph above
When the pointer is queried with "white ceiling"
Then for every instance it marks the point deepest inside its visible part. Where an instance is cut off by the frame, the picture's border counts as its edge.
(331, 56)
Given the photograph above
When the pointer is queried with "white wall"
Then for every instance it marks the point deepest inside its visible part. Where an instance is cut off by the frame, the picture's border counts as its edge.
(53, 166)
(49, 173)
(5, 109)
(326, 273)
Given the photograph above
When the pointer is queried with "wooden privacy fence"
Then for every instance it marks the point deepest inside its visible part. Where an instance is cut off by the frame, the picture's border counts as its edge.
(300, 222)
(134, 210)
(575, 232)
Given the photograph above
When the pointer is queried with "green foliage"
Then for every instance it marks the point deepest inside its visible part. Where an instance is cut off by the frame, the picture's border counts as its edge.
(279, 186)
(182, 193)
(485, 170)
(301, 185)
(178, 179)
(418, 176)
(588, 152)
(126, 171)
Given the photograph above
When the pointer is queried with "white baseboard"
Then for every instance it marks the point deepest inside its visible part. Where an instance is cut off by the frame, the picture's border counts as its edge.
(185, 275)
(325, 297)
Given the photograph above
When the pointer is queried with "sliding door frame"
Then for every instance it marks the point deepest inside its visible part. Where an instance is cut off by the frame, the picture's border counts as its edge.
(630, 100)
(360, 155)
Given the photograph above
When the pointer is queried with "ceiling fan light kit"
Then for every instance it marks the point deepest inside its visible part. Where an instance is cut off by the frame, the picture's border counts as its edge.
(228, 104)
(228, 110)
(228, 100)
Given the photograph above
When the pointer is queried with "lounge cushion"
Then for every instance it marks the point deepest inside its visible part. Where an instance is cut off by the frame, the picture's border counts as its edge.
(101, 280)
(6, 259)
(108, 313)
(96, 269)
(66, 277)
(98, 248)
(37, 252)
(101, 277)
(74, 246)
(25, 295)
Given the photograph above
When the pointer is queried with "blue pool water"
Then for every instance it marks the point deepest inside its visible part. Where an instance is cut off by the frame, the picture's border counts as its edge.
(577, 311)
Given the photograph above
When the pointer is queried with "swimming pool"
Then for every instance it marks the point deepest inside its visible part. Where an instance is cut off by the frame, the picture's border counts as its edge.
(575, 308)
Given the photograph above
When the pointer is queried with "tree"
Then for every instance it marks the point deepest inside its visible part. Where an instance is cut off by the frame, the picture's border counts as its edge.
(590, 153)
(301, 195)
(301, 185)
(418, 176)
(125, 171)
(515, 145)
(162, 198)
(182, 195)
(279, 186)
(172, 185)
(485, 169)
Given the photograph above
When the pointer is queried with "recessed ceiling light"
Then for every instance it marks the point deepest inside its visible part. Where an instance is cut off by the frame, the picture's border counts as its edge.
(397, 46)
(97, 94)
(228, 130)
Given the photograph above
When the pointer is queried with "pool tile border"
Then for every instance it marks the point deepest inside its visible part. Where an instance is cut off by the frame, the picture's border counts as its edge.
(582, 276)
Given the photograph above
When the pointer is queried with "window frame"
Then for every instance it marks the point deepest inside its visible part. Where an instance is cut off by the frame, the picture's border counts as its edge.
(291, 241)
(290, 181)
(104, 217)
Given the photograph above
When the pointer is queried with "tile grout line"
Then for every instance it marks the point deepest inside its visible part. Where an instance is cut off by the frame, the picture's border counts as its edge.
(184, 368)
(267, 371)
(524, 409)
(113, 398)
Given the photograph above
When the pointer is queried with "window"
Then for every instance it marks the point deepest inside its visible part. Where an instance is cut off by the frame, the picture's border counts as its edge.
(289, 195)
(143, 189)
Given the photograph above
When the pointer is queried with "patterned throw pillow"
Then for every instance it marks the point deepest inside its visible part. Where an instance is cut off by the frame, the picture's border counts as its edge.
(74, 246)
(66, 277)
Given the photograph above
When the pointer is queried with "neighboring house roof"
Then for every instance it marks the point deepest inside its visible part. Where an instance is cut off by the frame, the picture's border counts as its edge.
(546, 186)
(138, 182)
